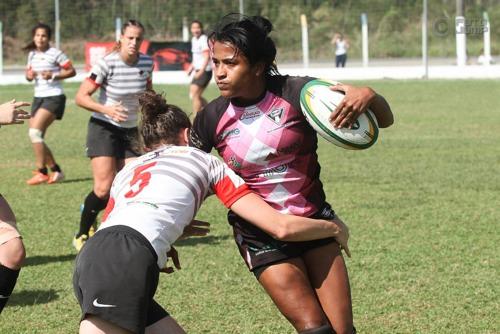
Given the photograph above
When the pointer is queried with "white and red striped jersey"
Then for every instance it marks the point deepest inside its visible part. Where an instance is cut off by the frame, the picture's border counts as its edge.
(121, 82)
(199, 46)
(159, 193)
(50, 60)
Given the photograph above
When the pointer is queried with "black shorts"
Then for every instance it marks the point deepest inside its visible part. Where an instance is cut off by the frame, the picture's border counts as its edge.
(204, 80)
(106, 140)
(260, 250)
(115, 278)
(54, 104)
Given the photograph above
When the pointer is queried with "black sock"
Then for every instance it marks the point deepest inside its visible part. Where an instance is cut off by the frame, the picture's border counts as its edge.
(55, 168)
(43, 170)
(91, 208)
(8, 279)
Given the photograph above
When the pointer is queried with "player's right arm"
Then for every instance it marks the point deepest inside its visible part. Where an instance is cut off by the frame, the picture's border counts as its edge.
(89, 86)
(235, 194)
(255, 210)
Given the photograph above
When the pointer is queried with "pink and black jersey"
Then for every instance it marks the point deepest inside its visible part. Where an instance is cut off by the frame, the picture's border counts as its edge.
(159, 193)
(269, 144)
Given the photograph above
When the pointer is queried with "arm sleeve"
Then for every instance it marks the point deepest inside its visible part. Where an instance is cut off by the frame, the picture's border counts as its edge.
(98, 73)
(204, 43)
(292, 88)
(226, 185)
(62, 60)
(30, 59)
(199, 136)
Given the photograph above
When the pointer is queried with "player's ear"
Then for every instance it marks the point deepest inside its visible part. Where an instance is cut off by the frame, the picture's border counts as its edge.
(259, 69)
(184, 137)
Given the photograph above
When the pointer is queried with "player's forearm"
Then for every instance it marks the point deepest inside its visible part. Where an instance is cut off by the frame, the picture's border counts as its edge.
(295, 228)
(282, 227)
(85, 101)
(382, 111)
(65, 74)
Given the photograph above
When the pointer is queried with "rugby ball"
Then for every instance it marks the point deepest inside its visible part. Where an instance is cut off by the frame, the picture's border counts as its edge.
(318, 101)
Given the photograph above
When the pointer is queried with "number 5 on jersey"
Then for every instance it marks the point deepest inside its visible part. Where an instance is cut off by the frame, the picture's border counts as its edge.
(140, 180)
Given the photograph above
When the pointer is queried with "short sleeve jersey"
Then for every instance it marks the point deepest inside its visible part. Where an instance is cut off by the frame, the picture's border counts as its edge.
(269, 144)
(120, 82)
(159, 193)
(50, 60)
(199, 46)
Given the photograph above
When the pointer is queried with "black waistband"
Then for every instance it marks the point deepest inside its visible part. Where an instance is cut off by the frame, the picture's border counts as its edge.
(122, 229)
(109, 125)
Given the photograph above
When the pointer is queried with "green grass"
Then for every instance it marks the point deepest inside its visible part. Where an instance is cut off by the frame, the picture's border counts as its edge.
(422, 205)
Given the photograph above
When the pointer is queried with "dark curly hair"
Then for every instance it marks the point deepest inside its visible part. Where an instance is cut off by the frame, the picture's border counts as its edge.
(160, 122)
(250, 36)
(31, 45)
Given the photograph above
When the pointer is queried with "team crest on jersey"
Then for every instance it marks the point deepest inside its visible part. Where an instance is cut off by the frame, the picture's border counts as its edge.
(234, 163)
(144, 74)
(276, 114)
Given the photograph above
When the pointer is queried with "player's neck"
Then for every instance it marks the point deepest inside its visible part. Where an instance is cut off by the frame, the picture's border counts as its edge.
(128, 58)
(254, 95)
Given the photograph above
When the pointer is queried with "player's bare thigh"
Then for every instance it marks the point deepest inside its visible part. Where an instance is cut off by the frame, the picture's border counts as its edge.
(165, 325)
(95, 325)
(328, 276)
(288, 285)
(42, 119)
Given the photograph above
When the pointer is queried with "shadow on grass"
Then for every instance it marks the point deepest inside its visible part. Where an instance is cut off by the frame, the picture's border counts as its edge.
(44, 259)
(32, 297)
(83, 179)
(210, 239)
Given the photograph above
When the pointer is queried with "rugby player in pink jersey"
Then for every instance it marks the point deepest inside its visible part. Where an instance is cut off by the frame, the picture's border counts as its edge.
(153, 200)
(258, 129)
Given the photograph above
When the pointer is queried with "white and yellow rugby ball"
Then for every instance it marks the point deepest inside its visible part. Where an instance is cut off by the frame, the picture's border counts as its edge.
(318, 101)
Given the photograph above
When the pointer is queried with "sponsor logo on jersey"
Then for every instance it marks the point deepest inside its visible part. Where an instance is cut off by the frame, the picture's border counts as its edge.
(276, 170)
(144, 203)
(290, 148)
(276, 114)
(229, 133)
(250, 114)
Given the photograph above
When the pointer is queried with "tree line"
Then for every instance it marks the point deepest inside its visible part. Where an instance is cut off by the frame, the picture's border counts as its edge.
(394, 25)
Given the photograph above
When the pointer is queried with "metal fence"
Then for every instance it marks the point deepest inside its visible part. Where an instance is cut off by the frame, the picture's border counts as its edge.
(394, 27)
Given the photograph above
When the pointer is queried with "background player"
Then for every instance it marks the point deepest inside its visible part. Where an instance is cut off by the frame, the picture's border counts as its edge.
(152, 201)
(12, 253)
(258, 129)
(121, 76)
(200, 66)
(47, 66)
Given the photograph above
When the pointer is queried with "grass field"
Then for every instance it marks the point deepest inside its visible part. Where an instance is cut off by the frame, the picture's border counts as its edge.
(422, 205)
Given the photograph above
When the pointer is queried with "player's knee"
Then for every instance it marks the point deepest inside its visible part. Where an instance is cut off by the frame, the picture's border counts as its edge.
(102, 192)
(36, 135)
(324, 329)
(14, 254)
